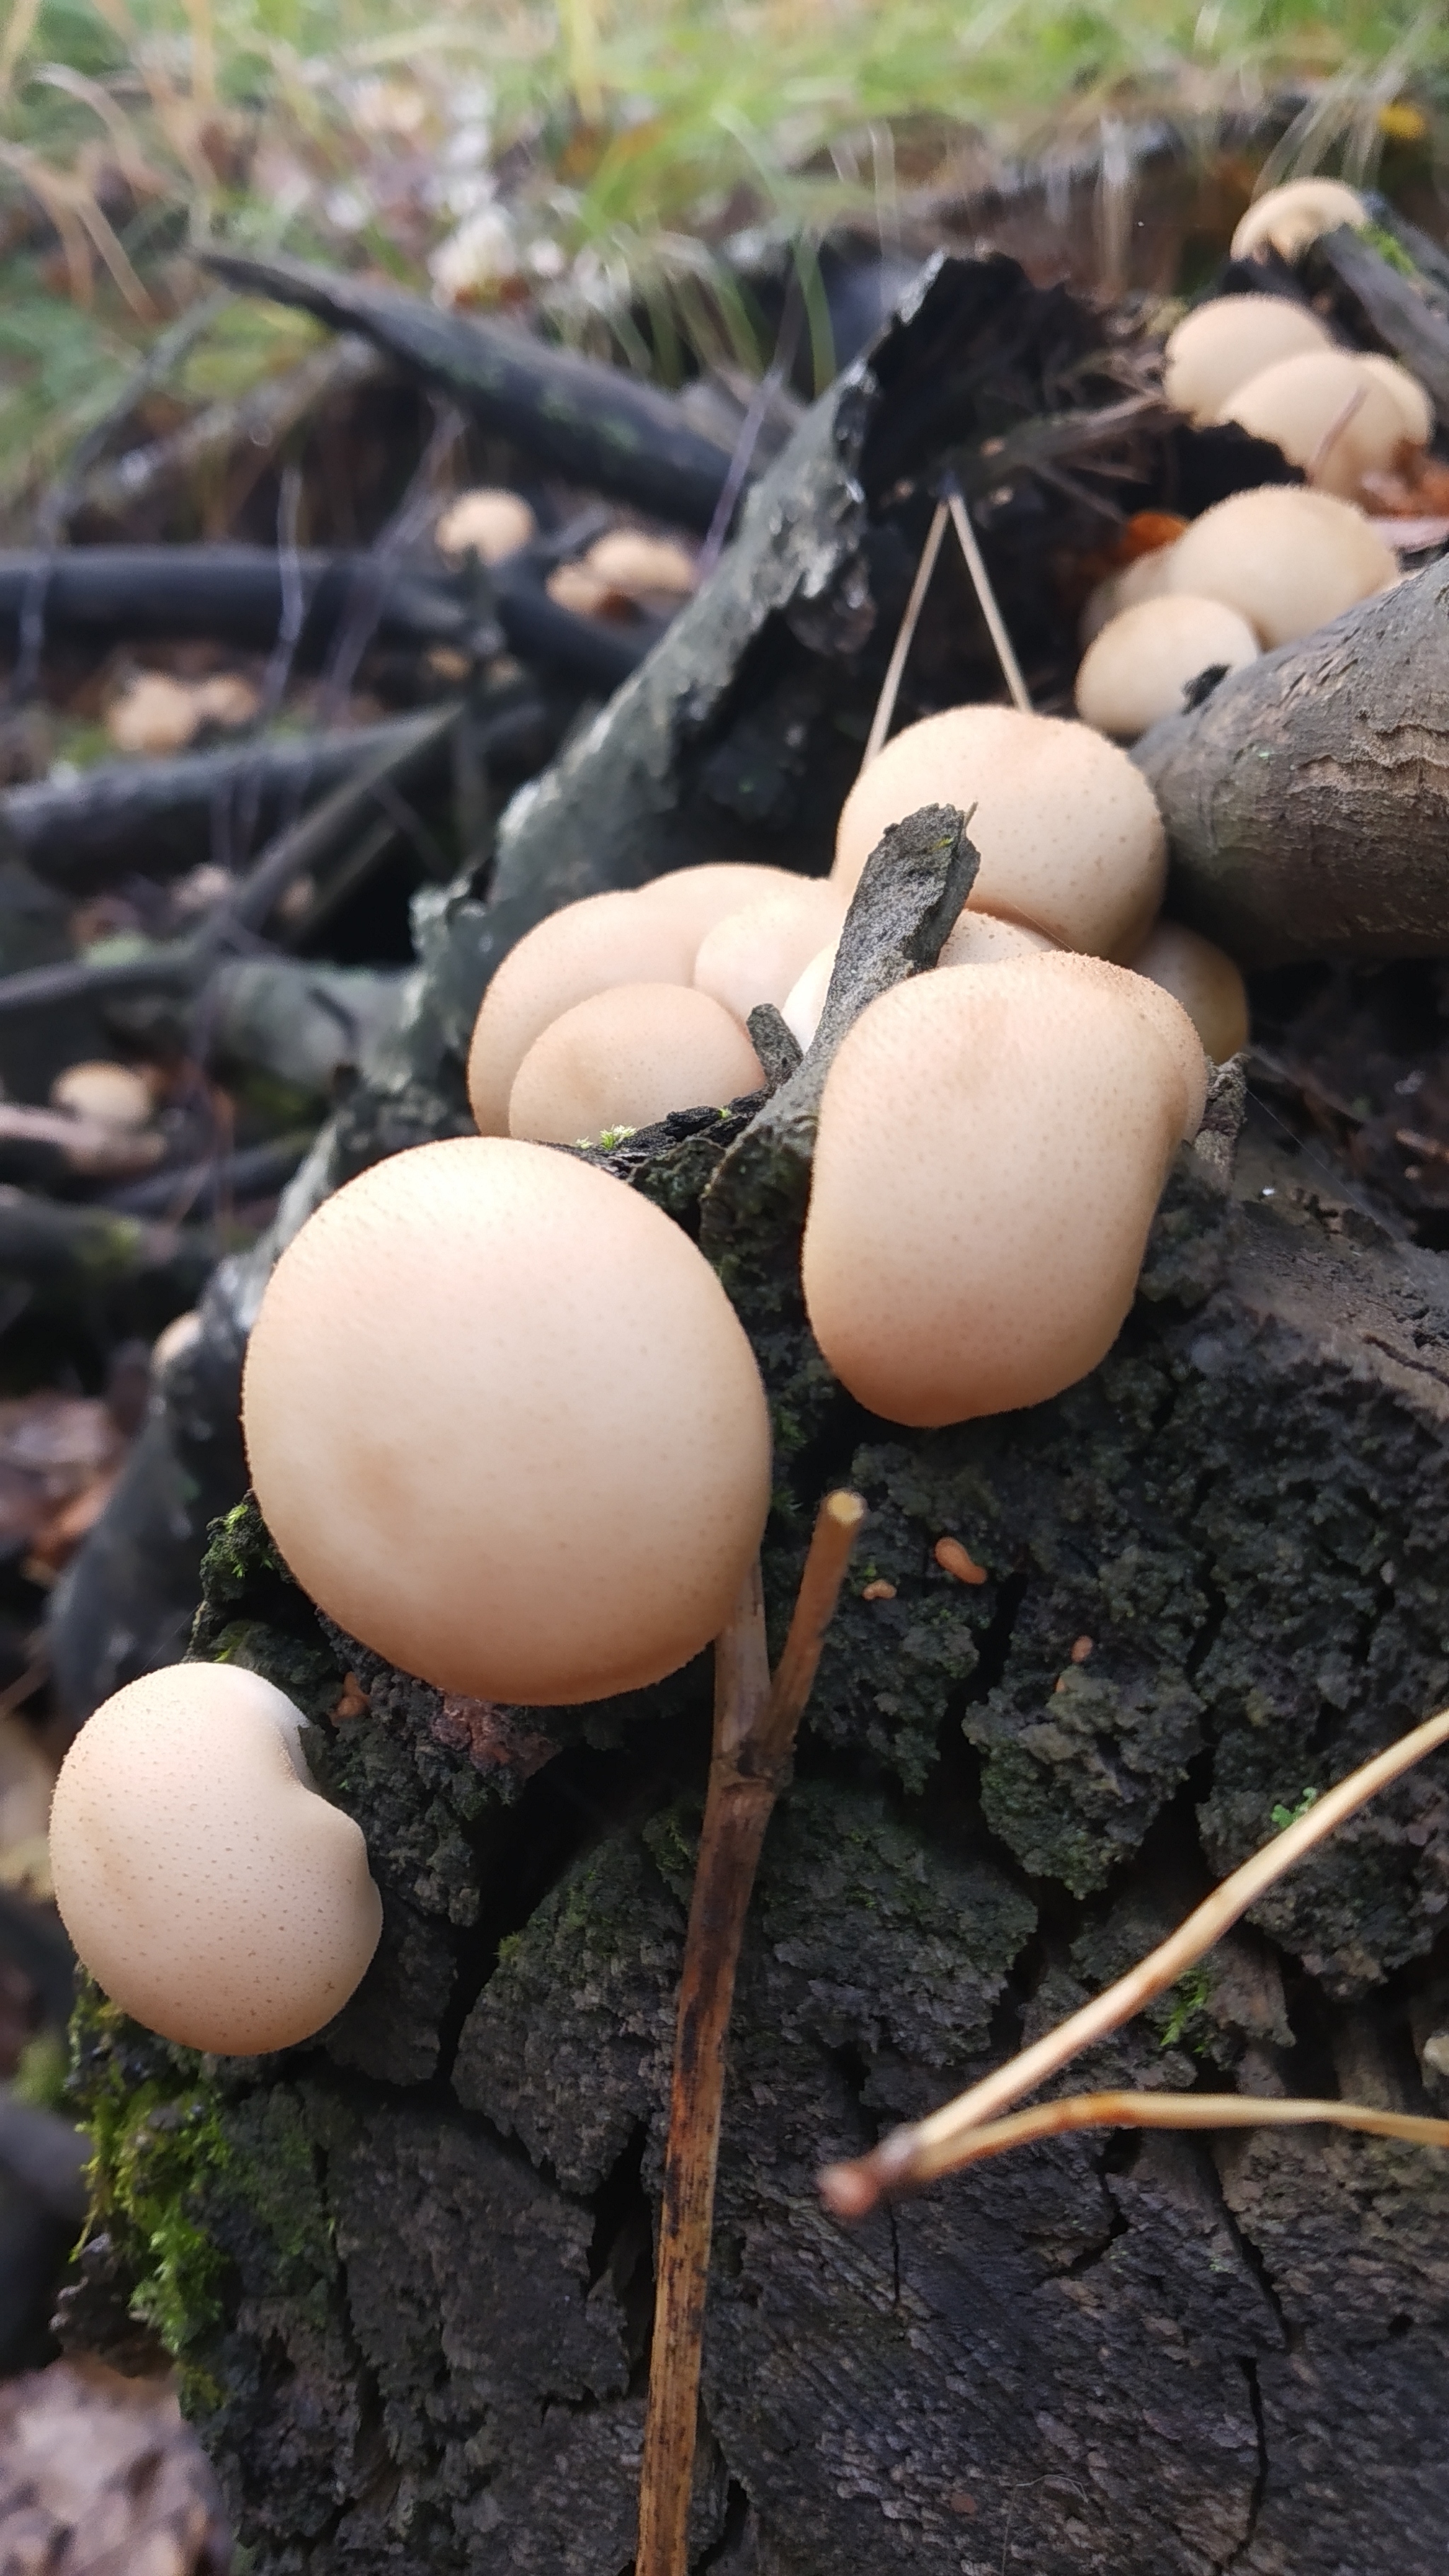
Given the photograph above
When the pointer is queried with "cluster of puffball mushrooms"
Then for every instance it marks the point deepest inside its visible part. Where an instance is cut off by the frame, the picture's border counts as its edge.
(481, 1349)
(1269, 565)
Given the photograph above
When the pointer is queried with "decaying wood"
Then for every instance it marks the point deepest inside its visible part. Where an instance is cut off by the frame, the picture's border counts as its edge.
(102, 594)
(1285, 792)
(597, 425)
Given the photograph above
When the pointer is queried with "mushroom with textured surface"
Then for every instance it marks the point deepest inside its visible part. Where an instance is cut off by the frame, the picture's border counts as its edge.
(1286, 559)
(208, 1886)
(1204, 980)
(1287, 219)
(625, 1058)
(756, 955)
(1070, 838)
(505, 1426)
(990, 1155)
(1330, 415)
(1138, 667)
(1225, 343)
(581, 950)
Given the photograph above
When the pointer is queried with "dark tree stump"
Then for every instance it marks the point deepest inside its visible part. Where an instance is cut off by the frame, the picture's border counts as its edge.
(408, 2268)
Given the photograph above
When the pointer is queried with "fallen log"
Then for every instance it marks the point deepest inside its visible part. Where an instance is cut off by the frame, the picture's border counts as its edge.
(597, 425)
(1307, 798)
(1213, 1583)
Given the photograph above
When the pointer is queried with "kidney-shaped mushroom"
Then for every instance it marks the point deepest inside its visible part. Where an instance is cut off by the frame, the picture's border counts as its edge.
(207, 1885)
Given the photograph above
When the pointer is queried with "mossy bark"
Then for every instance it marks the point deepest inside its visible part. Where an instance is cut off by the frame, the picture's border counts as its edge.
(408, 2268)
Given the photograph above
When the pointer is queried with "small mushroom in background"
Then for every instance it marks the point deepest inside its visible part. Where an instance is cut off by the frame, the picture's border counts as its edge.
(1223, 344)
(1070, 838)
(156, 713)
(1287, 219)
(1138, 667)
(627, 1057)
(109, 1095)
(803, 1004)
(757, 954)
(580, 950)
(1288, 560)
(1328, 413)
(208, 1886)
(506, 1427)
(990, 1155)
(1203, 980)
(1147, 578)
(489, 522)
(622, 571)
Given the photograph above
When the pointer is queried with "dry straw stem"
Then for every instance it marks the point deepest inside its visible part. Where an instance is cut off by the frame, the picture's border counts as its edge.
(754, 1733)
(951, 2136)
(1180, 2111)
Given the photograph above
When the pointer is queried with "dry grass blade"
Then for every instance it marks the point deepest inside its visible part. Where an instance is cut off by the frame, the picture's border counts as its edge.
(989, 606)
(933, 2146)
(754, 1730)
(1177, 2111)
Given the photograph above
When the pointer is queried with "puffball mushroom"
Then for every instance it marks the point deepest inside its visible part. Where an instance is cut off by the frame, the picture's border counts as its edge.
(1203, 980)
(1069, 833)
(1287, 219)
(583, 949)
(1286, 559)
(756, 955)
(642, 567)
(978, 939)
(1225, 343)
(489, 523)
(1139, 665)
(990, 1154)
(505, 1425)
(1147, 578)
(1416, 409)
(1329, 414)
(626, 1057)
(113, 1095)
(698, 897)
(205, 1882)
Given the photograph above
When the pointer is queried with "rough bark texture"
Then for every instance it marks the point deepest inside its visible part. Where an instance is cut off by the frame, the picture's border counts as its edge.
(1307, 799)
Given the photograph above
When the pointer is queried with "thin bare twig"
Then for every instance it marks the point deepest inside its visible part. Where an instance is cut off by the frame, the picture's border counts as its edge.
(990, 609)
(1186, 2111)
(754, 1733)
(885, 705)
(932, 2146)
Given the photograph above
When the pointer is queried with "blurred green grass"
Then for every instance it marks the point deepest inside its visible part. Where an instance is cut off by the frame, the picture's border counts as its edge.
(583, 157)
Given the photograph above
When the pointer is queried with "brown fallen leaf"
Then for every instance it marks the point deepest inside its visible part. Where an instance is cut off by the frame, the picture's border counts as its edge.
(99, 2476)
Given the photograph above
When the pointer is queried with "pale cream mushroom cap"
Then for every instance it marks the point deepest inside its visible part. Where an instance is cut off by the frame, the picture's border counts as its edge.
(1294, 215)
(699, 897)
(1203, 980)
(1286, 559)
(1139, 665)
(805, 1000)
(583, 949)
(1162, 1010)
(629, 561)
(1328, 413)
(209, 1888)
(979, 939)
(1068, 830)
(1147, 578)
(1415, 408)
(757, 955)
(487, 522)
(990, 1155)
(154, 713)
(505, 1426)
(112, 1094)
(626, 1057)
(1226, 342)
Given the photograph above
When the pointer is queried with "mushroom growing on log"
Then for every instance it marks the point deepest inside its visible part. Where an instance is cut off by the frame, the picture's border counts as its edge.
(414, 2305)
